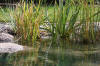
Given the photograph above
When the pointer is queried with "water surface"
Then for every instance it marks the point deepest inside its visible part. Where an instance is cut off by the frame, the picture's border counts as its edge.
(54, 53)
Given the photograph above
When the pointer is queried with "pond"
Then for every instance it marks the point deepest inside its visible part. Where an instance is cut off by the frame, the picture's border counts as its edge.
(54, 53)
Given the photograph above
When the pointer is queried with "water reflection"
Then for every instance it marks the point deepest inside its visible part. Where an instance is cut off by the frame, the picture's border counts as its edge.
(54, 53)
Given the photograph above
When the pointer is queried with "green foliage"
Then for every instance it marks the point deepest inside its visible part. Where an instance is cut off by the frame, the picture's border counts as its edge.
(6, 14)
(71, 16)
(60, 26)
(73, 20)
(28, 19)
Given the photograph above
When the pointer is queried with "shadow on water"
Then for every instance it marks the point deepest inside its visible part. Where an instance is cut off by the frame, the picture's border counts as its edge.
(54, 53)
(3, 59)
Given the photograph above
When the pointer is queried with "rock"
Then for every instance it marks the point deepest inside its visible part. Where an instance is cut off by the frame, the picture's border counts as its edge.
(4, 37)
(10, 47)
(7, 28)
(44, 34)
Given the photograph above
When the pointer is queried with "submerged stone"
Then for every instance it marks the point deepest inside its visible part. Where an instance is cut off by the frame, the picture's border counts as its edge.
(10, 47)
(4, 37)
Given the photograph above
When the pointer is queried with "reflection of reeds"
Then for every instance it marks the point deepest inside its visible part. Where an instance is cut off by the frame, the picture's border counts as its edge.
(28, 18)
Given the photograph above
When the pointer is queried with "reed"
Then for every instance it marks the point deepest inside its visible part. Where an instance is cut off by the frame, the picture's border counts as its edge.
(28, 19)
(72, 17)
(60, 25)
(76, 19)
(88, 21)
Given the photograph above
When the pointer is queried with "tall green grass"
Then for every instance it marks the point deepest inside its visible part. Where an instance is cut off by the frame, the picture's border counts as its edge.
(72, 17)
(28, 19)
(87, 20)
(76, 20)
(60, 25)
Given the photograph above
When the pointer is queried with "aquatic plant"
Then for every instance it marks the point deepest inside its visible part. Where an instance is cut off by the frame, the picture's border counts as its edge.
(60, 25)
(74, 20)
(88, 20)
(28, 19)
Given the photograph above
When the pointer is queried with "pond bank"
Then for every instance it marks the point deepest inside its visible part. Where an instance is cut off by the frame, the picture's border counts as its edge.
(6, 39)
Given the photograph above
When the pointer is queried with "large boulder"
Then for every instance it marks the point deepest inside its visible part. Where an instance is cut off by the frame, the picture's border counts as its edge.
(4, 37)
(10, 47)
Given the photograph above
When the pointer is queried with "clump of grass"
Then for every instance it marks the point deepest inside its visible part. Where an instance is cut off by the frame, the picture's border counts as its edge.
(60, 25)
(87, 20)
(72, 17)
(28, 19)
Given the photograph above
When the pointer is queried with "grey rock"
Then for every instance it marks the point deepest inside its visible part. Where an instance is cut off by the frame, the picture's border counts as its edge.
(10, 47)
(7, 28)
(4, 37)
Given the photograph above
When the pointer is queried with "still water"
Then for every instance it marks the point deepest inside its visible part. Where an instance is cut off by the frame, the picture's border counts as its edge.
(54, 53)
